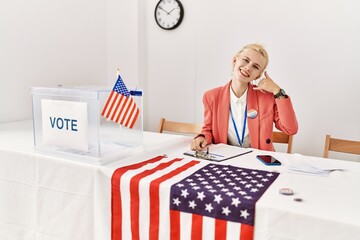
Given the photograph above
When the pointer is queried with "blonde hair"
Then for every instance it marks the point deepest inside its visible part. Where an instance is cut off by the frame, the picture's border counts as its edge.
(258, 48)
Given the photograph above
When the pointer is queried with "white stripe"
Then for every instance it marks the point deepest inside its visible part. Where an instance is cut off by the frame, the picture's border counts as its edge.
(108, 109)
(130, 106)
(185, 225)
(132, 111)
(125, 205)
(112, 109)
(125, 198)
(124, 104)
(118, 109)
(208, 228)
(144, 211)
(164, 216)
(164, 189)
(233, 230)
(144, 196)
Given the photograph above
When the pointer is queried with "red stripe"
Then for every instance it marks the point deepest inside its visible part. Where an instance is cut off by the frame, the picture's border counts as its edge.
(220, 229)
(119, 109)
(196, 227)
(116, 109)
(116, 211)
(246, 232)
(174, 225)
(132, 110)
(155, 198)
(135, 117)
(134, 195)
(127, 100)
(112, 105)
(107, 103)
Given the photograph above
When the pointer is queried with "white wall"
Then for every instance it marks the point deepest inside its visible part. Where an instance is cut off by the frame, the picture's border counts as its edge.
(313, 46)
(45, 43)
(122, 41)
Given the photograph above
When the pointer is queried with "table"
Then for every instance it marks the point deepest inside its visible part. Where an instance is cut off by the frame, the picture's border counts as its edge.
(49, 198)
(329, 208)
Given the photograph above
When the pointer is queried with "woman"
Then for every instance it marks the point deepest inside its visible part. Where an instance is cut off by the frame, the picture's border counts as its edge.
(243, 114)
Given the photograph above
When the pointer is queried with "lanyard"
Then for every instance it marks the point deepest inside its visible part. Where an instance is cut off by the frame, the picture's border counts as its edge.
(244, 126)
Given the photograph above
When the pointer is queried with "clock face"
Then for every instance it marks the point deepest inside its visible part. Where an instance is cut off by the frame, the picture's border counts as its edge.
(169, 14)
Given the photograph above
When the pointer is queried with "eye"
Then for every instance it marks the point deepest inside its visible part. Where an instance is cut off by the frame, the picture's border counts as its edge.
(256, 67)
(246, 60)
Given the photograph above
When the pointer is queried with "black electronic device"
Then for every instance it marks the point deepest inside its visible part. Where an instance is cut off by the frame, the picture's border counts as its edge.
(268, 160)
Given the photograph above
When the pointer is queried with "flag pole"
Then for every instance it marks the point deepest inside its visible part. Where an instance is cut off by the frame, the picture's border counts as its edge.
(117, 72)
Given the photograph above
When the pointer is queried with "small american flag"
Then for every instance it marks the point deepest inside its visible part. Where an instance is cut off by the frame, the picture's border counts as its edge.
(164, 198)
(120, 107)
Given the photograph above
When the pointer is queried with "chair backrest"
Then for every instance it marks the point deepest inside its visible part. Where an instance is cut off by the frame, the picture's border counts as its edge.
(280, 137)
(340, 145)
(179, 127)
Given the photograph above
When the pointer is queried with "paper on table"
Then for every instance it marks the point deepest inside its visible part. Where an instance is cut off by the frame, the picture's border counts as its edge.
(301, 166)
(219, 152)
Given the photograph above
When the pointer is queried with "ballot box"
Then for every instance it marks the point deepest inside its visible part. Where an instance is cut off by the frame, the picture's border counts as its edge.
(68, 123)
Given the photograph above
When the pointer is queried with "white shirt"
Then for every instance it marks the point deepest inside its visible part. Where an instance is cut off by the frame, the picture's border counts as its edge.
(238, 106)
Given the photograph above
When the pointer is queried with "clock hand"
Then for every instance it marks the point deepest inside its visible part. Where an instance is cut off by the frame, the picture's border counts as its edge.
(164, 10)
(171, 11)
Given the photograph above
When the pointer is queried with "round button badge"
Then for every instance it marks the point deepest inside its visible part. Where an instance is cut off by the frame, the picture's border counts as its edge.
(252, 113)
(286, 191)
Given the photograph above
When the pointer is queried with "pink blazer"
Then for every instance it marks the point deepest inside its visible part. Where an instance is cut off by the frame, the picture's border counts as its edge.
(269, 111)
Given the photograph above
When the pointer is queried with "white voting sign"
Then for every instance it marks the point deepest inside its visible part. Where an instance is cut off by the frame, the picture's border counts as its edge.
(65, 124)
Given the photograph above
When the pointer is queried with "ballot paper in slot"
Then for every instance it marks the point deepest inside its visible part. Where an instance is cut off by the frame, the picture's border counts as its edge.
(218, 152)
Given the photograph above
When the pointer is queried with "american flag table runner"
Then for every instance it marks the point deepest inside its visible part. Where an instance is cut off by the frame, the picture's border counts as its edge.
(166, 198)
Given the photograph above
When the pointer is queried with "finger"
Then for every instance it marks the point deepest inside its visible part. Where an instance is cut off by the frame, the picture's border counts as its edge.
(198, 145)
(266, 74)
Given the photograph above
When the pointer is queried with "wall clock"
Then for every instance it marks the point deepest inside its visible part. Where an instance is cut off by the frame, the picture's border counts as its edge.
(169, 14)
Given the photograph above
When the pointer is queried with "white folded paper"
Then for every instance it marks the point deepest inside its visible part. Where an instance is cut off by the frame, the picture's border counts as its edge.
(311, 168)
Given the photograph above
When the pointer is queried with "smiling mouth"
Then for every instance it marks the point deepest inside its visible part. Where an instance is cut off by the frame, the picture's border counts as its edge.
(244, 73)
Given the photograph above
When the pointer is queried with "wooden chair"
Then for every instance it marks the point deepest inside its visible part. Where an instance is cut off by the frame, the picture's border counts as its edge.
(280, 137)
(340, 145)
(179, 127)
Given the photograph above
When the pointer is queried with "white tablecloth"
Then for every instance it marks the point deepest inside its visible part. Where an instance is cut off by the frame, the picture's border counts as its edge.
(51, 198)
(329, 207)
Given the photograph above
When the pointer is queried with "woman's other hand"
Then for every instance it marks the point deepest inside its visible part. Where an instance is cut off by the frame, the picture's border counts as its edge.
(267, 85)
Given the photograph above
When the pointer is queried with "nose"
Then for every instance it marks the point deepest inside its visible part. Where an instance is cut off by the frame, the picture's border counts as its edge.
(247, 67)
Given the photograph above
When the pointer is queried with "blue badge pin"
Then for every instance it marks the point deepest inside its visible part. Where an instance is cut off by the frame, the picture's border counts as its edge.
(252, 113)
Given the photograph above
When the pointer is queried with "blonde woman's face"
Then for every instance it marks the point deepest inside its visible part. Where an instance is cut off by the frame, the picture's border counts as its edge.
(248, 65)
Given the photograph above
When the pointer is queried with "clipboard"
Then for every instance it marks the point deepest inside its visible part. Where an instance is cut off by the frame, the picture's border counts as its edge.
(219, 152)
